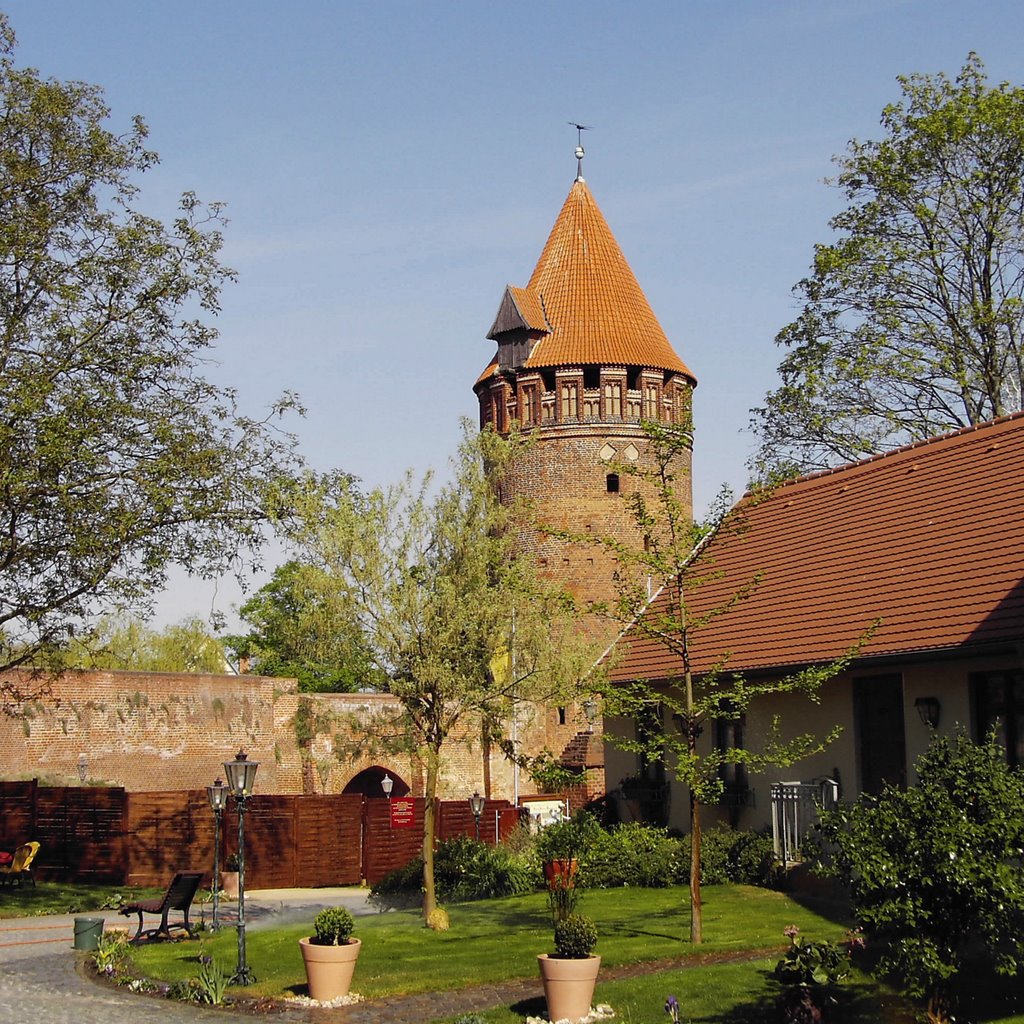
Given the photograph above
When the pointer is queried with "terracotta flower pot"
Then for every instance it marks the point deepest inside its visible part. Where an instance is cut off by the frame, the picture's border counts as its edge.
(568, 985)
(329, 969)
(561, 874)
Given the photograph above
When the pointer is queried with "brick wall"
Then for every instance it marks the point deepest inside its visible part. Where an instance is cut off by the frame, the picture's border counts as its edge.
(161, 732)
(152, 731)
(564, 478)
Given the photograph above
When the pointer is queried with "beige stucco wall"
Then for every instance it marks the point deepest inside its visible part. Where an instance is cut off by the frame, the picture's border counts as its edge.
(945, 678)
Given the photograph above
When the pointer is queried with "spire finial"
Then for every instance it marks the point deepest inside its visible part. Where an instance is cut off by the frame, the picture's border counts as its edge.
(580, 152)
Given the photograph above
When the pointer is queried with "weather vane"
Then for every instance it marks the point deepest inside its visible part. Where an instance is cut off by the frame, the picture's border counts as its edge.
(580, 152)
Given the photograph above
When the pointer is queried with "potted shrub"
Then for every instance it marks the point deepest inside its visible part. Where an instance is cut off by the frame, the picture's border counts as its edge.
(229, 877)
(570, 973)
(559, 847)
(330, 954)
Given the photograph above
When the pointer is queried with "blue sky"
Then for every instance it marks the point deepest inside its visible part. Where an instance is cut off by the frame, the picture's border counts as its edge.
(389, 167)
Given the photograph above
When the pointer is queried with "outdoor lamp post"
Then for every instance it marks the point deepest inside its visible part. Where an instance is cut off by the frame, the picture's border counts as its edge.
(218, 797)
(241, 775)
(387, 784)
(590, 710)
(83, 768)
(476, 805)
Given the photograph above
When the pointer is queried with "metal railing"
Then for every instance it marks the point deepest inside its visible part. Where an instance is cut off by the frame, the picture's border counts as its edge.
(795, 810)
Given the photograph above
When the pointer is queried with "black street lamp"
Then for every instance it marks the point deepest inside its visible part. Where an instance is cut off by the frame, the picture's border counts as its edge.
(241, 775)
(218, 797)
(476, 805)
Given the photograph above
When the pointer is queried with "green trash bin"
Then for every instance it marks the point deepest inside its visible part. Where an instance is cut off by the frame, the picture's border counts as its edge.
(87, 933)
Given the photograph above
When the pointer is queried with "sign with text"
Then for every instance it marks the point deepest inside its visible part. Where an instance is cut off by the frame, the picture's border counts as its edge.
(403, 813)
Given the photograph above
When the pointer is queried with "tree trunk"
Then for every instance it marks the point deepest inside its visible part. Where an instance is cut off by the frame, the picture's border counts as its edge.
(429, 829)
(696, 914)
(692, 731)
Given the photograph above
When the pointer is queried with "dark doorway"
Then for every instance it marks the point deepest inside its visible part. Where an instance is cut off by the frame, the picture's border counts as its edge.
(881, 742)
(368, 783)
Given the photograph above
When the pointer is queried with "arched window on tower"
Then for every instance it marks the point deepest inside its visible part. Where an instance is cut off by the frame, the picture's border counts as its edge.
(613, 398)
(529, 405)
(570, 401)
(612, 483)
(650, 402)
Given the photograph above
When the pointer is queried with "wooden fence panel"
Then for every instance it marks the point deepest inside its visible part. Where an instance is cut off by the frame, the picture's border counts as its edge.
(455, 818)
(269, 841)
(509, 819)
(17, 813)
(328, 840)
(107, 835)
(161, 837)
(81, 834)
(385, 848)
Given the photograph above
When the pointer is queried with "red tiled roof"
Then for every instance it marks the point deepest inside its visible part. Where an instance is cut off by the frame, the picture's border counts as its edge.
(595, 308)
(929, 539)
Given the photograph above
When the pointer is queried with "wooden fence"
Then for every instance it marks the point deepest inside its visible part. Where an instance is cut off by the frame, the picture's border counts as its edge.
(109, 835)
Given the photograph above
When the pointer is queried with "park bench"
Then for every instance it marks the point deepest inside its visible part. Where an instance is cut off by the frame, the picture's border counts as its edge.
(179, 896)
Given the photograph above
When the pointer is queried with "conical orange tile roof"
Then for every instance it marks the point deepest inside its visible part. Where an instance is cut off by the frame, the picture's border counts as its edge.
(596, 309)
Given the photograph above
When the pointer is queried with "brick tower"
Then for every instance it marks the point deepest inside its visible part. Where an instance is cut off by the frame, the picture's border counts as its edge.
(581, 360)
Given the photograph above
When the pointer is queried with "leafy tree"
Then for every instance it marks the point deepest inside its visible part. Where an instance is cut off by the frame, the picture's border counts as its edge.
(675, 557)
(122, 642)
(116, 455)
(912, 319)
(935, 870)
(434, 584)
(303, 630)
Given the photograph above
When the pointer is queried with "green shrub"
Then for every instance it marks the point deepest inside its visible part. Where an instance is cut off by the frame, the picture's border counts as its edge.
(935, 870)
(333, 927)
(575, 937)
(399, 887)
(568, 839)
(464, 870)
(633, 855)
(808, 973)
(728, 855)
(812, 963)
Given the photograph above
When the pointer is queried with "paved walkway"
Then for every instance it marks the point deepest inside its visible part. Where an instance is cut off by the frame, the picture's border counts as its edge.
(39, 971)
(41, 977)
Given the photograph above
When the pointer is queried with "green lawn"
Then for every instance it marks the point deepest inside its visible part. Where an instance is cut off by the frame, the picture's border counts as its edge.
(497, 940)
(66, 898)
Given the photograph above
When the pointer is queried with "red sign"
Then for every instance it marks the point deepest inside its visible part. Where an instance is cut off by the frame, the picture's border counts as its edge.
(403, 813)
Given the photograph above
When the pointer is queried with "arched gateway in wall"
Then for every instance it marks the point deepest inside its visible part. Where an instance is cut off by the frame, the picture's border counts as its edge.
(369, 781)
